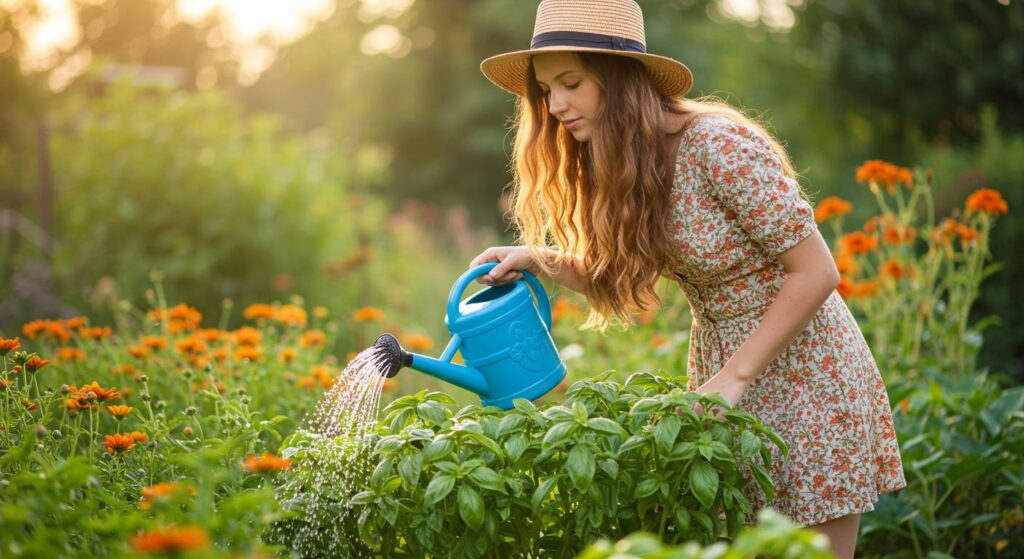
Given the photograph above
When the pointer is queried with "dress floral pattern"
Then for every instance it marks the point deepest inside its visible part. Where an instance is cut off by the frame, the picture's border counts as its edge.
(734, 212)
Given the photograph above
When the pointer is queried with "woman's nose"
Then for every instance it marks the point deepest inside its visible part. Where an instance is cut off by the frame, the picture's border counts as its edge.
(556, 103)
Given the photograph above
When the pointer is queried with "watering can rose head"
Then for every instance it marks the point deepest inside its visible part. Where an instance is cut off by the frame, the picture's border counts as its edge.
(503, 334)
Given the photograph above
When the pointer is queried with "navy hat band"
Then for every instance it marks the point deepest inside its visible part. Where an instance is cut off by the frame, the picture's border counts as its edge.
(586, 40)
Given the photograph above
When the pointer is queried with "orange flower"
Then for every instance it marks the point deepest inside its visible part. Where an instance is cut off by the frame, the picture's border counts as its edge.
(138, 436)
(417, 342)
(248, 335)
(865, 288)
(7, 346)
(259, 311)
(266, 463)
(858, 243)
(118, 443)
(99, 393)
(292, 315)
(306, 382)
(322, 373)
(896, 234)
(162, 491)
(876, 171)
(155, 343)
(389, 385)
(171, 540)
(893, 269)
(70, 354)
(846, 266)
(987, 200)
(831, 207)
(368, 314)
(563, 309)
(320, 312)
(126, 369)
(35, 363)
(210, 334)
(138, 352)
(179, 318)
(198, 361)
(29, 405)
(119, 411)
(287, 355)
(248, 353)
(845, 287)
(658, 340)
(904, 405)
(75, 322)
(94, 333)
(312, 338)
(967, 235)
(221, 353)
(191, 345)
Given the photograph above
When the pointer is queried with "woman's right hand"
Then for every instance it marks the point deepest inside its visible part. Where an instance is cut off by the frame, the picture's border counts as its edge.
(510, 261)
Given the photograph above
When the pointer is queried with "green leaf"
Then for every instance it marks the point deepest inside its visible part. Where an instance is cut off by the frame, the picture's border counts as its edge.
(764, 481)
(515, 446)
(541, 492)
(438, 448)
(509, 423)
(632, 443)
(471, 506)
(704, 482)
(557, 435)
(525, 406)
(557, 413)
(488, 479)
(605, 425)
(610, 467)
(581, 467)
(666, 431)
(646, 487)
(682, 518)
(579, 413)
(645, 405)
(750, 444)
(409, 469)
(438, 489)
(431, 412)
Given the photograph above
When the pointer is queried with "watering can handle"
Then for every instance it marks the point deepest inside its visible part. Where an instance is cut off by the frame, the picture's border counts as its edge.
(543, 304)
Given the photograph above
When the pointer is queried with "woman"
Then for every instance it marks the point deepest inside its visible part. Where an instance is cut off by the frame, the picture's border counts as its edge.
(619, 181)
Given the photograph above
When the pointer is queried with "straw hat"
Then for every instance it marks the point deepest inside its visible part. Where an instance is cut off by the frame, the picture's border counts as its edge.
(607, 26)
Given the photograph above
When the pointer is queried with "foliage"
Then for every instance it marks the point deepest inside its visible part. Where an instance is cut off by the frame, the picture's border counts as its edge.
(612, 459)
(773, 536)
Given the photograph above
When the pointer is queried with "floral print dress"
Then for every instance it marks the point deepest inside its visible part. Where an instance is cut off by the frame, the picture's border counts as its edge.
(734, 212)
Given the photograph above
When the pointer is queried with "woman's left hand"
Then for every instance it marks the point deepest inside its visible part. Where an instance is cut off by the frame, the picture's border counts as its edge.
(727, 383)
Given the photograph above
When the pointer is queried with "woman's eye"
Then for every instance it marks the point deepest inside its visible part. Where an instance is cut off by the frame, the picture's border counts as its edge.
(572, 86)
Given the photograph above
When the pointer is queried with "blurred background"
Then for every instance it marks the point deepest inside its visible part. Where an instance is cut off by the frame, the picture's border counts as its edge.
(349, 154)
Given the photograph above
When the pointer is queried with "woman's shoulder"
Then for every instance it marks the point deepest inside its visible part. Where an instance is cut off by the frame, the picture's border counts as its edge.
(712, 130)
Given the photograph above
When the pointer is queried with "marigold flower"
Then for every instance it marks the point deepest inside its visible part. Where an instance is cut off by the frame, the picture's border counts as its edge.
(259, 311)
(155, 343)
(865, 288)
(125, 369)
(221, 353)
(138, 352)
(179, 318)
(99, 393)
(34, 328)
(248, 353)
(320, 312)
(292, 315)
(987, 200)
(857, 243)
(417, 342)
(162, 491)
(191, 345)
(658, 340)
(368, 314)
(211, 335)
(95, 333)
(198, 361)
(389, 385)
(70, 354)
(896, 234)
(248, 335)
(306, 382)
(287, 355)
(966, 234)
(74, 322)
(847, 266)
(894, 269)
(171, 540)
(138, 436)
(7, 346)
(312, 338)
(881, 172)
(120, 411)
(563, 309)
(118, 443)
(831, 207)
(845, 287)
(29, 405)
(266, 463)
(35, 363)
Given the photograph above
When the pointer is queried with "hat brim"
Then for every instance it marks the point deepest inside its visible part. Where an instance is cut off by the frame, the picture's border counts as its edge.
(508, 70)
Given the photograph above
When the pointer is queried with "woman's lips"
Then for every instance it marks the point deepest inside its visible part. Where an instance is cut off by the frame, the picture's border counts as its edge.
(570, 124)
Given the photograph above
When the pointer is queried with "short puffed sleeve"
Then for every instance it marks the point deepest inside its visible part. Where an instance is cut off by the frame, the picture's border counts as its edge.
(746, 177)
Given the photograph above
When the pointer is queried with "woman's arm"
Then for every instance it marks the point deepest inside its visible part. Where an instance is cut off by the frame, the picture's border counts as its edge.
(811, 278)
(568, 274)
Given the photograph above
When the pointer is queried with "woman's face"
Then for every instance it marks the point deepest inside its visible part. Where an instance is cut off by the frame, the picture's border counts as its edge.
(573, 94)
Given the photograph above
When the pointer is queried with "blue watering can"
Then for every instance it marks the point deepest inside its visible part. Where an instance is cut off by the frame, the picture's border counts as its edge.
(503, 337)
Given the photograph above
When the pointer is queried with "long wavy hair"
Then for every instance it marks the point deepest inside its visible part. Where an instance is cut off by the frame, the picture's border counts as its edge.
(605, 200)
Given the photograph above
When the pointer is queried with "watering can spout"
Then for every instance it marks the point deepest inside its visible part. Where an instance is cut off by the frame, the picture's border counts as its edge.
(393, 358)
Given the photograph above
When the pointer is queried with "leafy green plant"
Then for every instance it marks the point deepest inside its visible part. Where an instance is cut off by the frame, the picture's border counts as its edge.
(611, 460)
(773, 536)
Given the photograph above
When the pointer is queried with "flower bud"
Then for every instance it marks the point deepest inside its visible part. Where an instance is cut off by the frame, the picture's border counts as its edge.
(56, 434)
(187, 373)
(40, 431)
(160, 404)
(143, 378)
(187, 431)
(191, 410)
(145, 397)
